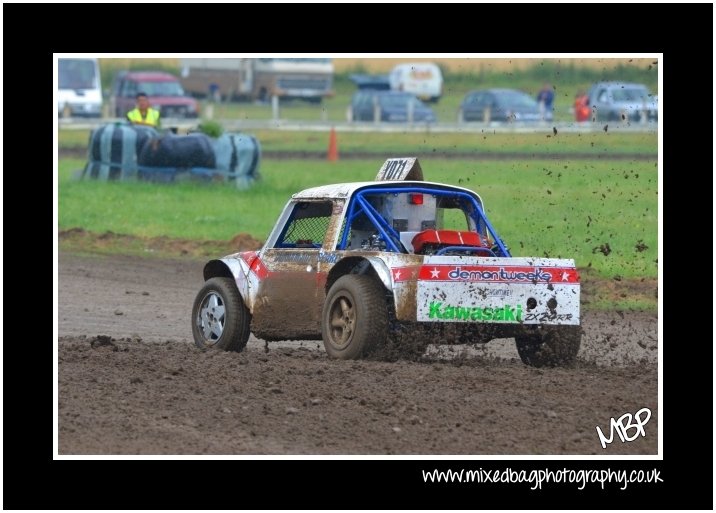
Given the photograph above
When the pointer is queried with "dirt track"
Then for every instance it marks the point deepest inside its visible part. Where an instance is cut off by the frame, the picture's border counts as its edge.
(143, 388)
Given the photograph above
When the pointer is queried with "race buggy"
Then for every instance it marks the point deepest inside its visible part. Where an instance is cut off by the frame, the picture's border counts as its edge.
(363, 265)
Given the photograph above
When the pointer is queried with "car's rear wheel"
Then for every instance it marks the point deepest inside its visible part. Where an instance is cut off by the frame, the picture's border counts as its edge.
(355, 317)
(549, 346)
(220, 318)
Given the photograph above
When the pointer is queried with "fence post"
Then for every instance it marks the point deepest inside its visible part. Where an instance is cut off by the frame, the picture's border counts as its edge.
(274, 107)
(486, 115)
(411, 111)
(376, 110)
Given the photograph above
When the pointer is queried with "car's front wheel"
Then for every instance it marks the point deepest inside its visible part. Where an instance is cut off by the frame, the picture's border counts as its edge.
(219, 317)
(355, 317)
(549, 346)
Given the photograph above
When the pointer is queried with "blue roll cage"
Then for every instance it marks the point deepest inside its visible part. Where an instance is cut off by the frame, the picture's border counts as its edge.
(359, 204)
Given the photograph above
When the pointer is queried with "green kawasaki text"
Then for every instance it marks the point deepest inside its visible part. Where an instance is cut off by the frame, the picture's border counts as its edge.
(475, 313)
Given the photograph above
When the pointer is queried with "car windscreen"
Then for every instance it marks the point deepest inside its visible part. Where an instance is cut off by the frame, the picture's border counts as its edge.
(76, 74)
(630, 94)
(161, 88)
(515, 100)
(398, 101)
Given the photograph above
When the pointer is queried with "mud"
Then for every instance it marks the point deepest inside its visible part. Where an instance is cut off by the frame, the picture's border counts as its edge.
(131, 382)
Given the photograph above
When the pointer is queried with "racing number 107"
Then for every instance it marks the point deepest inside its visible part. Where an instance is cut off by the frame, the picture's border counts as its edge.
(394, 168)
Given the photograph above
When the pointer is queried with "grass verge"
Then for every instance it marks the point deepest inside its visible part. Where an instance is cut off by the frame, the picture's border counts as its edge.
(602, 214)
(600, 144)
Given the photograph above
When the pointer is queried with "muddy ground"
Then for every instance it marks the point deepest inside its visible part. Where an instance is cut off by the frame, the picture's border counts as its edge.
(131, 382)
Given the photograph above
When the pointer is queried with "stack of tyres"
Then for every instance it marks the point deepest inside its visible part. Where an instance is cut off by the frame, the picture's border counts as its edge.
(124, 152)
(114, 150)
(238, 156)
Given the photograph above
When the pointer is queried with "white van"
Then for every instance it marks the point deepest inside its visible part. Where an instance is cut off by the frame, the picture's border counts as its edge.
(80, 90)
(423, 79)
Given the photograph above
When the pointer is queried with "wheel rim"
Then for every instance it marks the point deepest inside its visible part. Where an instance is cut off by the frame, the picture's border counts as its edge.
(211, 318)
(342, 318)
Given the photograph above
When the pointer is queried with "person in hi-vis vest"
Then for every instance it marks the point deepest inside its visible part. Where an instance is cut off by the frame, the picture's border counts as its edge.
(143, 114)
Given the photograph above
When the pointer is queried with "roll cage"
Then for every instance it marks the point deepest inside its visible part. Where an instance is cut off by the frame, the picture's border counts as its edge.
(360, 204)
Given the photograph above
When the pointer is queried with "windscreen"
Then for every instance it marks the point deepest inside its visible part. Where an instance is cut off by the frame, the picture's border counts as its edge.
(633, 94)
(161, 88)
(76, 74)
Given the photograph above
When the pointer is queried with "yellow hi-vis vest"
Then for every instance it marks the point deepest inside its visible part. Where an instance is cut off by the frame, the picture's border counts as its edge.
(152, 118)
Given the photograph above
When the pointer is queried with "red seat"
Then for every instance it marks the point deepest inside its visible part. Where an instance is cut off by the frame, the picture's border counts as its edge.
(445, 238)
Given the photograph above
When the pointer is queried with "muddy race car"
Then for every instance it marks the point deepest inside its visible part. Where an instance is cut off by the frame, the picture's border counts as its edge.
(397, 261)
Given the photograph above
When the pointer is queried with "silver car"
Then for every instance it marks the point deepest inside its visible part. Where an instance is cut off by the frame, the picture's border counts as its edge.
(621, 101)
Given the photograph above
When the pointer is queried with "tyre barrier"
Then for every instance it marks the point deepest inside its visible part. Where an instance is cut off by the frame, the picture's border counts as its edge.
(120, 151)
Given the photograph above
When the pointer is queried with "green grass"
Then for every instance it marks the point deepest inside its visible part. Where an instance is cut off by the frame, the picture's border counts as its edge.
(559, 209)
(600, 143)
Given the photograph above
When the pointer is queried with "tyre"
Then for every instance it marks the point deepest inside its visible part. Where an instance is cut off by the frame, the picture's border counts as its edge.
(355, 317)
(549, 347)
(219, 317)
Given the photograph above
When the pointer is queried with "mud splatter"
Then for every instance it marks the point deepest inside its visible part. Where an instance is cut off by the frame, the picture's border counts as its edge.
(158, 394)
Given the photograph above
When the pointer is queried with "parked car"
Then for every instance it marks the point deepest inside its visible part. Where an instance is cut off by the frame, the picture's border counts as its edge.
(393, 106)
(365, 264)
(423, 79)
(622, 101)
(163, 90)
(505, 105)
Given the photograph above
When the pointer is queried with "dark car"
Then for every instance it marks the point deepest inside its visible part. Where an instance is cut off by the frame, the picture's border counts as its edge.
(164, 91)
(392, 106)
(505, 105)
(622, 101)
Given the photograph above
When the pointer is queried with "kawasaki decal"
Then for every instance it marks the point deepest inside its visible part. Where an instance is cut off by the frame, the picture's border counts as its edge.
(475, 313)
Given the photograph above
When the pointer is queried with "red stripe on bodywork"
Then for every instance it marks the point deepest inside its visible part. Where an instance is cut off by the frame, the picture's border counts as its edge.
(498, 274)
(405, 273)
(256, 266)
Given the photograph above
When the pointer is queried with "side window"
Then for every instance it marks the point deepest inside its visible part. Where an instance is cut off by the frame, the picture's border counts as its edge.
(130, 88)
(490, 101)
(451, 215)
(478, 101)
(307, 225)
(602, 97)
(452, 219)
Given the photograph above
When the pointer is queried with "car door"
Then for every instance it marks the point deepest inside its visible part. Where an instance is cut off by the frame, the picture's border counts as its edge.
(477, 108)
(355, 106)
(365, 106)
(290, 292)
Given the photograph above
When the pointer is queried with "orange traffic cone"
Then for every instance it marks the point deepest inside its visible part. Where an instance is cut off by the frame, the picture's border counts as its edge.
(332, 146)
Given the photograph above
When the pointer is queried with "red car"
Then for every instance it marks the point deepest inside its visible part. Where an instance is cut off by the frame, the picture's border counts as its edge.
(163, 89)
